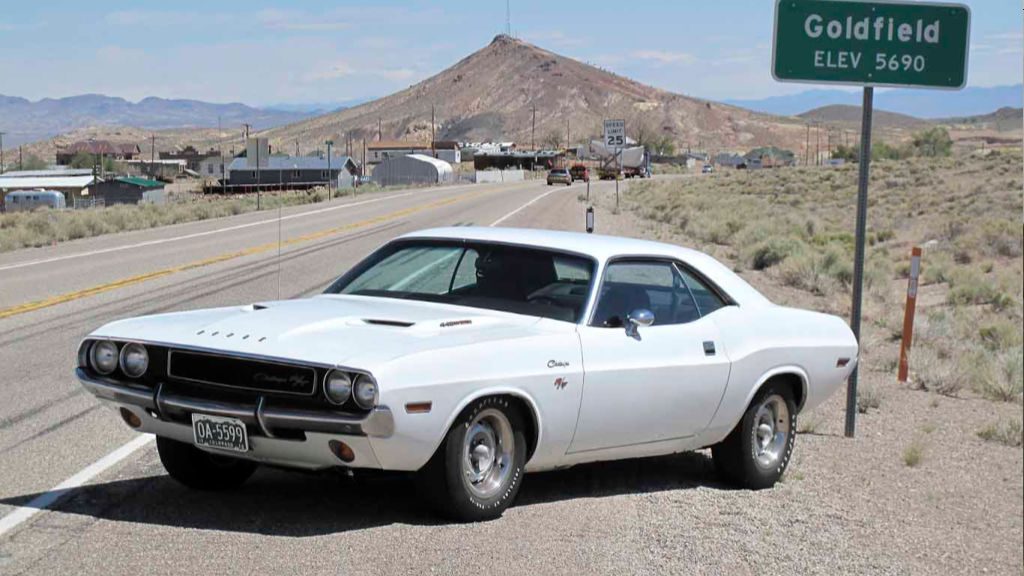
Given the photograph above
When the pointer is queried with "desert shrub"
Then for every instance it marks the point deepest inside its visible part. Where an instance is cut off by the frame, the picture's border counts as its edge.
(772, 251)
(1008, 433)
(868, 398)
(913, 453)
(999, 377)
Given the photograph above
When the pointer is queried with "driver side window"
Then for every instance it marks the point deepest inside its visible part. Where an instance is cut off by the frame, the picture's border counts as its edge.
(638, 284)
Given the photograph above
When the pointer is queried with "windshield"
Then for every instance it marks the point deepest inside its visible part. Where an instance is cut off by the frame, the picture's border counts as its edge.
(528, 281)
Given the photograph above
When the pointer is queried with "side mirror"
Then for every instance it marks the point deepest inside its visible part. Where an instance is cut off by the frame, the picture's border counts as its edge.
(636, 319)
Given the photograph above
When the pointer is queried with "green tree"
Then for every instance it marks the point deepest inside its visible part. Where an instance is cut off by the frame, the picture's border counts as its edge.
(83, 160)
(848, 153)
(32, 162)
(932, 142)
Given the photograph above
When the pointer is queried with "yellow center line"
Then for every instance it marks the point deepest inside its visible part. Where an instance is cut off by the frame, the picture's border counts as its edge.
(132, 280)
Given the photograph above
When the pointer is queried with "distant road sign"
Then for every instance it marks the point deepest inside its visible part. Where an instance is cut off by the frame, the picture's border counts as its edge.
(912, 44)
(614, 133)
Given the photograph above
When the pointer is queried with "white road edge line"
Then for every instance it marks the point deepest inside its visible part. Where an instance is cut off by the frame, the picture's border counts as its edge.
(201, 234)
(525, 206)
(49, 498)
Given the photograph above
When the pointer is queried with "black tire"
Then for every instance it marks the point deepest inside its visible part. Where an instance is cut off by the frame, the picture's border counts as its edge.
(201, 470)
(443, 482)
(737, 457)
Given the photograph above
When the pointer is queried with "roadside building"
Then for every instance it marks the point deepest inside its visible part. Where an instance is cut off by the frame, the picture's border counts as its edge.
(125, 190)
(192, 157)
(166, 170)
(447, 150)
(769, 157)
(100, 149)
(55, 171)
(291, 173)
(377, 152)
(70, 186)
(519, 160)
(413, 169)
(730, 160)
(214, 167)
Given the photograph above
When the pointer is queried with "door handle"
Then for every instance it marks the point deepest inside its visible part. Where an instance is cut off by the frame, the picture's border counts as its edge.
(709, 348)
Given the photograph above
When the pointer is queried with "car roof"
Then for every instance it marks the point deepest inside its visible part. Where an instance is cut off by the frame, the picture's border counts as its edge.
(602, 248)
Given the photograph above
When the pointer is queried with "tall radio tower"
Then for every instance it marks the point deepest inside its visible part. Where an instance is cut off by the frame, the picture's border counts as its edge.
(508, 18)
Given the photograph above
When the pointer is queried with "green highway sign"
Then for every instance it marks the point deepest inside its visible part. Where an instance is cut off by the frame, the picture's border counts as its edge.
(910, 44)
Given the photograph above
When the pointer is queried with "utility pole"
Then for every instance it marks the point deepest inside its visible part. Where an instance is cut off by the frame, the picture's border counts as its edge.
(533, 130)
(807, 146)
(257, 166)
(20, 165)
(362, 169)
(817, 144)
(330, 192)
(152, 155)
(433, 152)
(379, 131)
(296, 147)
(2, 152)
(246, 132)
(220, 153)
(567, 139)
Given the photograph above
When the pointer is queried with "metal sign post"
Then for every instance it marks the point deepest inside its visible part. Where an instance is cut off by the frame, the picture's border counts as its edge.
(858, 256)
(881, 43)
(615, 139)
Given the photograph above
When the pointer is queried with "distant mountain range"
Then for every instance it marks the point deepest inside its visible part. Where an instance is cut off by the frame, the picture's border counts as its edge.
(916, 103)
(25, 121)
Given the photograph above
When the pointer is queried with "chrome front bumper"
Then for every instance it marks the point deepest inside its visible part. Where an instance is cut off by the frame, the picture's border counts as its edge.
(152, 405)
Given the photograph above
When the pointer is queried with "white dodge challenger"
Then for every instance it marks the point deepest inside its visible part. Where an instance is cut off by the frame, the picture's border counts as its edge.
(473, 355)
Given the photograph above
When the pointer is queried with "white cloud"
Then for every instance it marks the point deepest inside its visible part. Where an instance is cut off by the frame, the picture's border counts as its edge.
(330, 72)
(299, 21)
(664, 57)
(149, 18)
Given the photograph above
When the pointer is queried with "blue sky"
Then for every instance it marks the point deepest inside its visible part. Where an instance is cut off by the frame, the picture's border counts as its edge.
(262, 52)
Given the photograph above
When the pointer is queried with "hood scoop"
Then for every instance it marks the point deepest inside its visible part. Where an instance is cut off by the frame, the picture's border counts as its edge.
(384, 322)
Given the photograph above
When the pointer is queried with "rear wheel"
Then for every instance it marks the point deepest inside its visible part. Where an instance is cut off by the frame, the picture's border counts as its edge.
(476, 473)
(757, 451)
(201, 470)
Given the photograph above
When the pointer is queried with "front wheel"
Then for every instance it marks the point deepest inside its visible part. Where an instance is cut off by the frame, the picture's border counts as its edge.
(201, 470)
(476, 473)
(757, 451)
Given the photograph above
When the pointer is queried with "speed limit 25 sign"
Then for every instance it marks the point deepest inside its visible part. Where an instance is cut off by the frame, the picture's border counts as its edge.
(912, 44)
(614, 133)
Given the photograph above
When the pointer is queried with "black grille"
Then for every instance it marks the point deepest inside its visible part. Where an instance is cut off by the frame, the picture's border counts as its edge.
(241, 373)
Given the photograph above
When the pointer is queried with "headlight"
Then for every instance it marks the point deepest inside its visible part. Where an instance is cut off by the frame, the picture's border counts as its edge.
(338, 387)
(365, 391)
(103, 356)
(134, 360)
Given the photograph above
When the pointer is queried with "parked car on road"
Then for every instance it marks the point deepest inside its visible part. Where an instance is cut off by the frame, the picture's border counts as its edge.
(707, 169)
(470, 356)
(559, 176)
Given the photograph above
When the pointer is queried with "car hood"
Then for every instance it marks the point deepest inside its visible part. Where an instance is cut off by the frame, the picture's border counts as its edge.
(353, 331)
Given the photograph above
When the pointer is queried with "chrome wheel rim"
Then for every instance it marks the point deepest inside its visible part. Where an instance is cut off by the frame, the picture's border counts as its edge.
(770, 432)
(487, 453)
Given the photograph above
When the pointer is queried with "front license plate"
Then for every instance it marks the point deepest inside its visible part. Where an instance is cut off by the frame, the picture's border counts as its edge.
(220, 432)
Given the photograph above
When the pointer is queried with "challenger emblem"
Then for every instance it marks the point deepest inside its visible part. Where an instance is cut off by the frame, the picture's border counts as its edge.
(557, 364)
(561, 383)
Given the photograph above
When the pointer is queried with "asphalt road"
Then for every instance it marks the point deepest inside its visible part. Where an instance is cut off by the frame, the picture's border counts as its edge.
(131, 517)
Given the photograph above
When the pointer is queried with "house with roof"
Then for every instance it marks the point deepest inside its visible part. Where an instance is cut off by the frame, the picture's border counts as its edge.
(381, 150)
(123, 190)
(292, 173)
(98, 148)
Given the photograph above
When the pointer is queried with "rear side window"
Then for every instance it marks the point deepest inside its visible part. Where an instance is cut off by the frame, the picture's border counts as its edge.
(707, 300)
